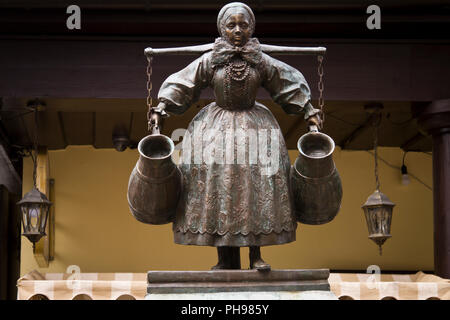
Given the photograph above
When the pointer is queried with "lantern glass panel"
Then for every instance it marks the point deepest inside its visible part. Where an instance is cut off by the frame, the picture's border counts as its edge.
(371, 221)
(34, 212)
(379, 219)
(24, 209)
(387, 216)
(44, 216)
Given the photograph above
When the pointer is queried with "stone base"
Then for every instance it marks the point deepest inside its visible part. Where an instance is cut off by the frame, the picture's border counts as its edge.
(239, 284)
(246, 295)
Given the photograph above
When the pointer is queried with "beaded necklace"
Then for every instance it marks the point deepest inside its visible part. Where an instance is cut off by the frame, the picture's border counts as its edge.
(236, 71)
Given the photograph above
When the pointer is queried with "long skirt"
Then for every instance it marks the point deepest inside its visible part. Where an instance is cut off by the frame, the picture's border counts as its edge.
(236, 189)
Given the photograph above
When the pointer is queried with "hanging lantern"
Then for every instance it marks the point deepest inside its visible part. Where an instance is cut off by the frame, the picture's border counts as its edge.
(34, 207)
(378, 208)
(378, 212)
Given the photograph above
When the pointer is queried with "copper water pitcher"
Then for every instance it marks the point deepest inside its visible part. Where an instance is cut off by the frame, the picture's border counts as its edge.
(315, 181)
(155, 182)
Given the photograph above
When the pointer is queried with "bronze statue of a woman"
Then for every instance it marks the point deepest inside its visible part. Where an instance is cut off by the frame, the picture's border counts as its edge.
(230, 198)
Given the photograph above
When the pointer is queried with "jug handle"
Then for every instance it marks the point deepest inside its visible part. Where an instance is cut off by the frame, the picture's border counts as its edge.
(154, 122)
(155, 129)
(313, 128)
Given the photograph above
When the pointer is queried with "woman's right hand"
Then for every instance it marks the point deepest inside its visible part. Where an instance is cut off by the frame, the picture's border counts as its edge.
(156, 118)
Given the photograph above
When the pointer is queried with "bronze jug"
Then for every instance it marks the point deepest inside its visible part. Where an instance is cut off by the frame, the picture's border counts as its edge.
(155, 182)
(316, 185)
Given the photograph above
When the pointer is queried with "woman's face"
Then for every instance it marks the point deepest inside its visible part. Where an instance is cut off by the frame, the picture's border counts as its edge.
(237, 29)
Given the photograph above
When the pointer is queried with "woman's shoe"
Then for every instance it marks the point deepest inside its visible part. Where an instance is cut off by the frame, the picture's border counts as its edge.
(260, 265)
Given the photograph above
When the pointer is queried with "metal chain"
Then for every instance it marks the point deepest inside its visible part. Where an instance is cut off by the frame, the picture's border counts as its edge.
(149, 92)
(375, 149)
(35, 146)
(321, 87)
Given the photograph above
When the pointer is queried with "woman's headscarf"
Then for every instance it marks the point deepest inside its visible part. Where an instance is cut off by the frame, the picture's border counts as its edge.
(223, 51)
(226, 11)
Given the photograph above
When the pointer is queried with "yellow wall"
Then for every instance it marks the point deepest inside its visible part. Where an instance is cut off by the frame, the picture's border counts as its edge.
(95, 230)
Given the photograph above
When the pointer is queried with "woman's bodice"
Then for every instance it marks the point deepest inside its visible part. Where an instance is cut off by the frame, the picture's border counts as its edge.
(235, 85)
(237, 91)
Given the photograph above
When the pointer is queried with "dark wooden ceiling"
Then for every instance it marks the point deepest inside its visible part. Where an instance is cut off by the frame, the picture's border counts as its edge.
(276, 19)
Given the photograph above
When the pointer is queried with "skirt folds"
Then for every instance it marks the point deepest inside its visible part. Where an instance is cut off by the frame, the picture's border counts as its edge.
(236, 189)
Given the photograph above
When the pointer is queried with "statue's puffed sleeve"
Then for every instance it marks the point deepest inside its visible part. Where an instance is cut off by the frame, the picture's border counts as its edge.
(287, 87)
(180, 90)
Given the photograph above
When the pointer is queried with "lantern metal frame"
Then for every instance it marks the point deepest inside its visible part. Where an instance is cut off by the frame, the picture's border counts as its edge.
(378, 208)
(34, 206)
(378, 212)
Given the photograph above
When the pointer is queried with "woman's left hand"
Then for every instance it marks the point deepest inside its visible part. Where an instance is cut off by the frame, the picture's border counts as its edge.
(315, 120)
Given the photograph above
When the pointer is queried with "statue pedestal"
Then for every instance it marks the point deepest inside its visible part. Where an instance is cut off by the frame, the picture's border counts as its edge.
(239, 285)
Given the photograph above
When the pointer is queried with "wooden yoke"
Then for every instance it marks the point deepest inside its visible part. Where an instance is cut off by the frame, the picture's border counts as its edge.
(45, 248)
(269, 49)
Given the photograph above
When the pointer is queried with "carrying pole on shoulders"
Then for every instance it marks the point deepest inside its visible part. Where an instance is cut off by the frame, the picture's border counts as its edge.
(200, 49)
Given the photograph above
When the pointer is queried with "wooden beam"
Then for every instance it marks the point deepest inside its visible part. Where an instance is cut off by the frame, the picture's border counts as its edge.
(8, 175)
(10, 240)
(277, 19)
(116, 69)
(43, 250)
(349, 138)
(62, 129)
(293, 128)
(51, 221)
(412, 141)
(435, 119)
(4, 215)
